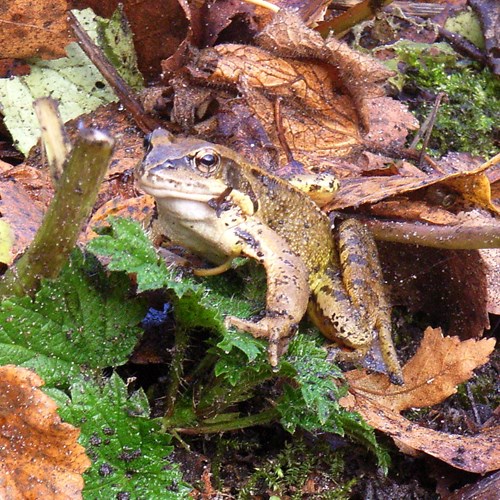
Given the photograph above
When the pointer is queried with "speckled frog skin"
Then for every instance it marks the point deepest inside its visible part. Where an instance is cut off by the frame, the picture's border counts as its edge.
(213, 202)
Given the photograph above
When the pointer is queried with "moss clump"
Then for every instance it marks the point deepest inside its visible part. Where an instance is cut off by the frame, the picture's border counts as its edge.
(467, 120)
(287, 472)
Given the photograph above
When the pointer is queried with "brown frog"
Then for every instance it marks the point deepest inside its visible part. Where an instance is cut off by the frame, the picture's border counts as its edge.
(213, 202)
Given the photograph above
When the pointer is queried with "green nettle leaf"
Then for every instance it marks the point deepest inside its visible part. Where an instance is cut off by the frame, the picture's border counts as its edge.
(251, 346)
(317, 390)
(129, 453)
(130, 250)
(240, 361)
(77, 323)
(312, 402)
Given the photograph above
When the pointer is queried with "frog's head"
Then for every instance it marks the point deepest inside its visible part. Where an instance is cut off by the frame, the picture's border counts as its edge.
(184, 168)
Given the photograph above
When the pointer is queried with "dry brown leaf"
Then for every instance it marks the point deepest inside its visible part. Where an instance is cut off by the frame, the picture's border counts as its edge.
(39, 454)
(309, 95)
(31, 28)
(361, 75)
(466, 178)
(315, 117)
(139, 208)
(21, 212)
(440, 364)
(479, 454)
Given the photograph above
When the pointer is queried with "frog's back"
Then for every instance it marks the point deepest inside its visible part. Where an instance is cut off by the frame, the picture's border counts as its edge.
(292, 214)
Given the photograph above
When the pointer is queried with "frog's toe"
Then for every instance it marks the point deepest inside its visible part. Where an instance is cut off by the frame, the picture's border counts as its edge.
(257, 329)
(277, 332)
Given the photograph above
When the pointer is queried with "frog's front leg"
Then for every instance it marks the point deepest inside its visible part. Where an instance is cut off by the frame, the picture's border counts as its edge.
(287, 286)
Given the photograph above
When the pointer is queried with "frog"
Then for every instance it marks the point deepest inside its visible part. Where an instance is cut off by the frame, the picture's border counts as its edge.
(212, 201)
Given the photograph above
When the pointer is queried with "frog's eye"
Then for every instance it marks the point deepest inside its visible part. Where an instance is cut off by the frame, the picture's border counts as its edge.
(207, 161)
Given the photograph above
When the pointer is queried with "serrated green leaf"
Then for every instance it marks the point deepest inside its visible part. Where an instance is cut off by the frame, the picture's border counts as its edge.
(312, 402)
(131, 251)
(129, 453)
(317, 391)
(75, 324)
(251, 346)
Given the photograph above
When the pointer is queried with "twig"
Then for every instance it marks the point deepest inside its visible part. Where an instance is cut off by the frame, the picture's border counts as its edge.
(458, 42)
(54, 138)
(427, 127)
(262, 418)
(359, 12)
(144, 121)
(179, 354)
(460, 237)
(70, 207)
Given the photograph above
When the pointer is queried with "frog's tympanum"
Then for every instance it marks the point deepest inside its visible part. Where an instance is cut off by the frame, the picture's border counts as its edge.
(213, 202)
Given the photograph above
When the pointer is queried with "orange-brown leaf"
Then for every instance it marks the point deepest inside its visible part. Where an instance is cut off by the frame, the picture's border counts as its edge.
(39, 455)
(34, 29)
(479, 454)
(432, 375)
(440, 364)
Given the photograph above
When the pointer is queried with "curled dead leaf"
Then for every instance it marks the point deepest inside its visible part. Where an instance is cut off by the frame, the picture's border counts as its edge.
(39, 454)
(440, 364)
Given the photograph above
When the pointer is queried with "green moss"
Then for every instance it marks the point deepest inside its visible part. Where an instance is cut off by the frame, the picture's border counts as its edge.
(467, 120)
(287, 472)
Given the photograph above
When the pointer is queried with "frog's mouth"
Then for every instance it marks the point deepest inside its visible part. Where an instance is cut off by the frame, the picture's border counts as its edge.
(193, 189)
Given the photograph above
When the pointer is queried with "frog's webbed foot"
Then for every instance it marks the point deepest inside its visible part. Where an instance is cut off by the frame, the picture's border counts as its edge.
(278, 330)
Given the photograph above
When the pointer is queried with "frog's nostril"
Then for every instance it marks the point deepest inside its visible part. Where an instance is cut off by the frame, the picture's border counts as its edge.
(160, 168)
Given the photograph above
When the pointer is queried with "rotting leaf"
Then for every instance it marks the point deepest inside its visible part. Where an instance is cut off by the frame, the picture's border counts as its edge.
(34, 29)
(39, 454)
(440, 364)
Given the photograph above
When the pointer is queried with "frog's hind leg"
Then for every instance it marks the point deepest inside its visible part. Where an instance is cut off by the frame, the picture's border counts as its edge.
(363, 279)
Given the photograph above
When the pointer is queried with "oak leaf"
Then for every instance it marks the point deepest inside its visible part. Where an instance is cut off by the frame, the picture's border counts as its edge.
(39, 454)
(440, 364)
